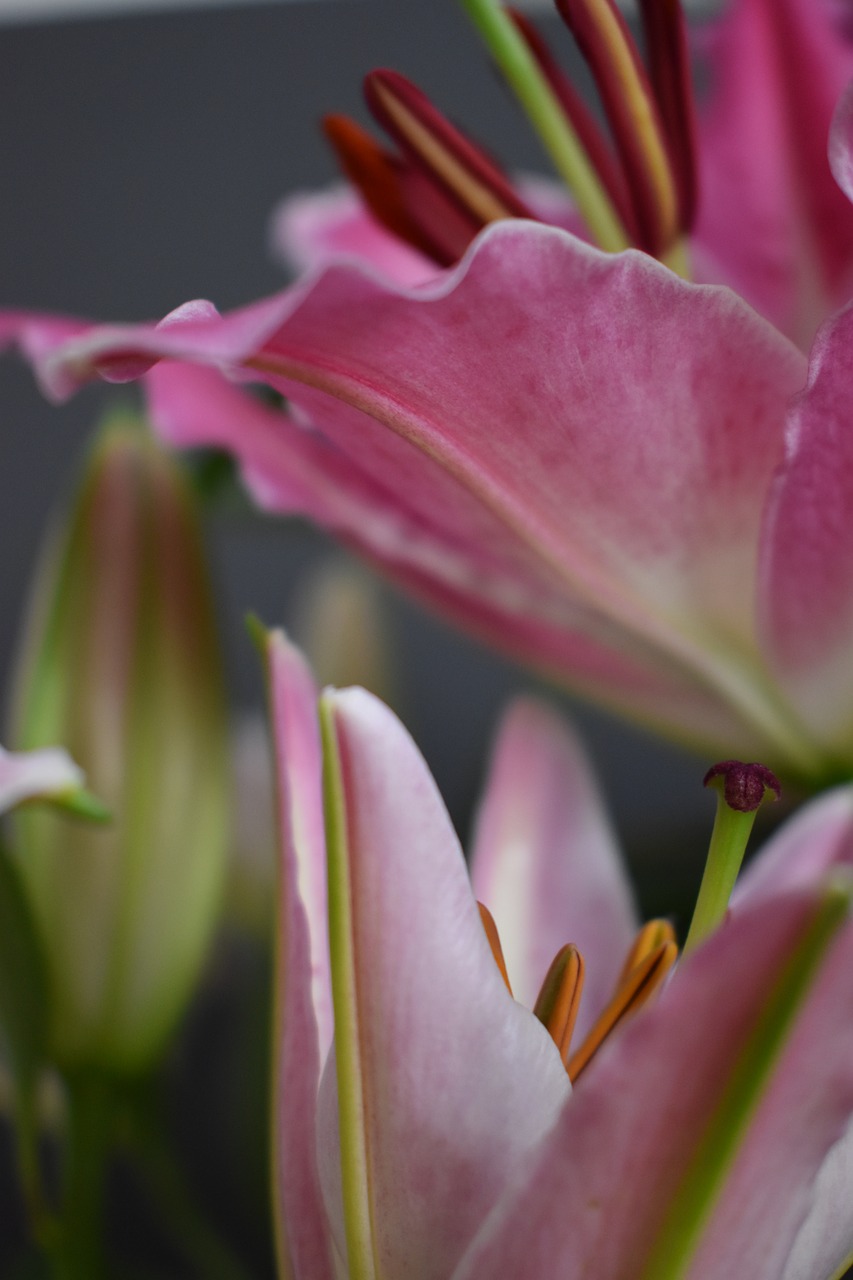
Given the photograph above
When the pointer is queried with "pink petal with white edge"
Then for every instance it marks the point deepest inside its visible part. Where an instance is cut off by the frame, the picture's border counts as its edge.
(771, 215)
(46, 774)
(594, 409)
(594, 1199)
(546, 862)
(806, 605)
(303, 1014)
(459, 1081)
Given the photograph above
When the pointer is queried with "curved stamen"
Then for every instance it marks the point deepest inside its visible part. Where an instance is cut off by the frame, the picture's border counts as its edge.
(652, 936)
(629, 102)
(559, 999)
(433, 143)
(669, 72)
(590, 135)
(377, 177)
(642, 983)
(493, 937)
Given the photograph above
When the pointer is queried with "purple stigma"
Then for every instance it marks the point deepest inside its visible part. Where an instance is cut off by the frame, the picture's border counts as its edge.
(744, 786)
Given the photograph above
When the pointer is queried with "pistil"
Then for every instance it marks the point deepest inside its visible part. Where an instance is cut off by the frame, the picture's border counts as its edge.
(742, 789)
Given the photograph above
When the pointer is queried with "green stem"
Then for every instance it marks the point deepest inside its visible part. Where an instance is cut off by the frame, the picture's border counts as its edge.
(571, 161)
(725, 855)
(78, 1252)
(167, 1185)
(42, 1223)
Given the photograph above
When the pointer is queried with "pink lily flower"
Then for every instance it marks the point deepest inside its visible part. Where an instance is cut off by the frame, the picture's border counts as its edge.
(761, 207)
(426, 1124)
(580, 457)
(620, 492)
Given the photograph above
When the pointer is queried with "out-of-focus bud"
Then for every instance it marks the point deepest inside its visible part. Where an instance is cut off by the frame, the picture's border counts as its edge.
(121, 665)
(341, 622)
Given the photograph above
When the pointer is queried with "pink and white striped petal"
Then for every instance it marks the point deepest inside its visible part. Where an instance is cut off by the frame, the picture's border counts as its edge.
(302, 1027)
(601, 1197)
(453, 1082)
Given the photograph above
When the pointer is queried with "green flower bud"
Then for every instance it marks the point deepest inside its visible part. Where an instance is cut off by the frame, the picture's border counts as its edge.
(123, 668)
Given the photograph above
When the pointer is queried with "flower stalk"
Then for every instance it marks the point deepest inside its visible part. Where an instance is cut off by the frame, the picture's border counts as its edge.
(741, 790)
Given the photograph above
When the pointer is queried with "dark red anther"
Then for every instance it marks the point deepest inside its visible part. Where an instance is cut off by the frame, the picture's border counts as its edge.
(435, 146)
(584, 123)
(669, 71)
(631, 107)
(377, 175)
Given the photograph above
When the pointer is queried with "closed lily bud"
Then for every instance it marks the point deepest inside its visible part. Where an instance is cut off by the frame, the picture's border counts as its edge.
(121, 665)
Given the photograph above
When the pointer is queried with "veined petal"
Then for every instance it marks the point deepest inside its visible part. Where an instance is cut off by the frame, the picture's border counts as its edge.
(546, 861)
(292, 467)
(806, 602)
(47, 774)
(455, 1082)
(303, 1013)
(770, 212)
(597, 1196)
(592, 414)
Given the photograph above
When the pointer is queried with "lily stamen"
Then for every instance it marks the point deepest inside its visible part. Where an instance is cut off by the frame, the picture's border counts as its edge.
(491, 930)
(651, 937)
(435, 145)
(651, 957)
(632, 110)
(643, 981)
(559, 999)
(668, 61)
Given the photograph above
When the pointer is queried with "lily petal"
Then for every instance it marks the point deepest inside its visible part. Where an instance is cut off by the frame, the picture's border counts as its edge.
(806, 605)
(824, 1245)
(770, 213)
(546, 861)
(303, 1014)
(318, 229)
(594, 1199)
(47, 774)
(841, 143)
(315, 230)
(815, 841)
(456, 1081)
(812, 843)
(594, 486)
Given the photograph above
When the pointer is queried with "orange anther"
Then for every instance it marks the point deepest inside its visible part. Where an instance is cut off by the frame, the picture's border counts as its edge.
(652, 935)
(559, 998)
(640, 985)
(491, 930)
